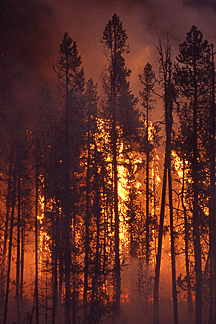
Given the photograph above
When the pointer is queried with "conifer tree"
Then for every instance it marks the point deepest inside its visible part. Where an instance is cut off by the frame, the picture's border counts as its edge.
(120, 110)
(91, 129)
(192, 80)
(71, 80)
(166, 69)
(212, 205)
(147, 79)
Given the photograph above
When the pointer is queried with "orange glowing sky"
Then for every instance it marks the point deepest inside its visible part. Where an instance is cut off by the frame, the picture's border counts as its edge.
(32, 30)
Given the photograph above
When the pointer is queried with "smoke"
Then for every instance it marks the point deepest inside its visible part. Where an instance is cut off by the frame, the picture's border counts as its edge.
(32, 31)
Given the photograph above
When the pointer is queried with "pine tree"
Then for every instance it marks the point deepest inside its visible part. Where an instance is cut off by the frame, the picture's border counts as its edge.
(91, 131)
(212, 206)
(71, 80)
(122, 115)
(192, 80)
(147, 79)
(19, 145)
(166, 69)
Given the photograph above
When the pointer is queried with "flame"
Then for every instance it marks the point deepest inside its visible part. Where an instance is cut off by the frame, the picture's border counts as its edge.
(44, 239)
(177, 164)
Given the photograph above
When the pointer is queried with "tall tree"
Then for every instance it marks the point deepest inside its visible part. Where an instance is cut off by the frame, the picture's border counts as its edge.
(121, 113)
(91, 105)
(147, 79)
(71, 79)
(166, 70)
(180, 146)
(37, 152)
(212, 206)
(18, 142)
(192, 78)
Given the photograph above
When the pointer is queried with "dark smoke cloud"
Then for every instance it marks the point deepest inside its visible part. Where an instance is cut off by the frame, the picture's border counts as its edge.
(32, 31)
(200, 3)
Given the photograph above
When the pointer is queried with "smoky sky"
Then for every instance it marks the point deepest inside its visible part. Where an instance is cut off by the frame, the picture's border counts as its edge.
(31, 31)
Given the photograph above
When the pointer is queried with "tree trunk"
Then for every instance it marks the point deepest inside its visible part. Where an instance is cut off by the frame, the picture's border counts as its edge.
(95, 278)
(18, 241)
(8, 199)
(196, 221)
(147, 196)
(67, 256)
(56, 241)
(158, 257)
(212, 207)
(166, 65)
(10, 246)
(174, 290)
(36, 237)
(17, 295)
(115, 185)
(22, 251)
(189, 295)
(169, 121)
(86, 267)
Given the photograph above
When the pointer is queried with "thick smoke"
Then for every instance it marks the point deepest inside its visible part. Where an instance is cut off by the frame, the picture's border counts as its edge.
(32, 31)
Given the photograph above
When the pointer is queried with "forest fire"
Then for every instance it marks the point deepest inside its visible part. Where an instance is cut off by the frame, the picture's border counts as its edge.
(108, 215)
(44, 238)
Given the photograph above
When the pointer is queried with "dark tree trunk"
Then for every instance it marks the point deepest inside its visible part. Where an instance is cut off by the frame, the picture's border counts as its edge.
(174, 290)
(169, 121)
(196, 220)
(18, 240)
(17, 295)
(147, 196)
(189, 295)
(193, 66)
(22, 251)
(10, 245)
(86, 267)
(8, 200)
(36, 236)
(56, 241)
(67, 257)
(95, 278)
(166, 66)
(115, 184)
(158, 257)
(212, 311)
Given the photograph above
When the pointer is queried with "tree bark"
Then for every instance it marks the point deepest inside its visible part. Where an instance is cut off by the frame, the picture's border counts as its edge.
(159, 251)
(166, 66)
(8, 199)
(115, 184)
(212, 207)
(22, 251)
(67, 256)
(36, 236)
(189, 294)
(18, 240)
(147, 194)
(10, 245)
(86, 267)
(56, 242)
(196, 220)
(96, 275)
(174, 290)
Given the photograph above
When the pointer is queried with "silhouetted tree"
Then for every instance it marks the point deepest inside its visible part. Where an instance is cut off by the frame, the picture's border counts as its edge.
(71, 80)
(147, 79)
(192, 78)
(166, 70)
(122, 115)
(19, 144)
(91, 128)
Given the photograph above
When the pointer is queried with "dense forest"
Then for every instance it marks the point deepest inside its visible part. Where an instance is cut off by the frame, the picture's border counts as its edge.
(107, 214)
